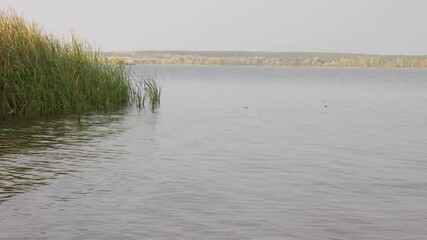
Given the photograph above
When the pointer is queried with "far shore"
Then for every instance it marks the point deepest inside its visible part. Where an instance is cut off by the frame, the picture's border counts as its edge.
(274, 59)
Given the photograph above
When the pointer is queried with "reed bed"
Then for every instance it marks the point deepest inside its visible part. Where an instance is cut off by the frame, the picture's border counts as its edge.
(42, 75)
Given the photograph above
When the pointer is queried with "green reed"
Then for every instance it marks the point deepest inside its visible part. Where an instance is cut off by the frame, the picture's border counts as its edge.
(152, 93)
(42, 75)
(147, 92)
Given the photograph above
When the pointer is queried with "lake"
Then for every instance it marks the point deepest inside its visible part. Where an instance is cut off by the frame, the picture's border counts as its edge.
(232, 153)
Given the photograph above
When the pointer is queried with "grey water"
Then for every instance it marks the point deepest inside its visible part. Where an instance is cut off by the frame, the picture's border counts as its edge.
(232, 153)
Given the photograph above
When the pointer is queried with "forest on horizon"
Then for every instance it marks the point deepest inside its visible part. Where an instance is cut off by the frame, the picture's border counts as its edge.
(285, 59)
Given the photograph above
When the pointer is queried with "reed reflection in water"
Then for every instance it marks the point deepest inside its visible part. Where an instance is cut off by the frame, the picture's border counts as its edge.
(34, 152)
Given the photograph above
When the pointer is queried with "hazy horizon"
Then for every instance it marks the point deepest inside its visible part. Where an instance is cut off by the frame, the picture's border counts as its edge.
(329, 26)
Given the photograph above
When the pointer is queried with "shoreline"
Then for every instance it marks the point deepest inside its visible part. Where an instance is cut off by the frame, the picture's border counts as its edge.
(277, 59)
(269, 66)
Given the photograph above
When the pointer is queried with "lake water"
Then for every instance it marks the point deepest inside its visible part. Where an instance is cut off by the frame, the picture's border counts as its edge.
(233, 153)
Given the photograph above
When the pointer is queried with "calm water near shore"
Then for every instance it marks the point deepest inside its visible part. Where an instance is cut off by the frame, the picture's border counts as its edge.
(233, 153)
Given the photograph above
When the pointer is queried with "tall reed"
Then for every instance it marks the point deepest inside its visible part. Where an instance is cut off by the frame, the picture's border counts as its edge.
(152, 93)
(42, 75)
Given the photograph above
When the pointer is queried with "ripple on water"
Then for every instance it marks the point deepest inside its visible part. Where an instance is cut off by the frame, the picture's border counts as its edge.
(32, 153)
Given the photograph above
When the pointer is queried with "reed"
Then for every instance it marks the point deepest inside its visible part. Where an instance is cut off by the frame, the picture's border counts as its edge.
(42, 75)
(152, 93)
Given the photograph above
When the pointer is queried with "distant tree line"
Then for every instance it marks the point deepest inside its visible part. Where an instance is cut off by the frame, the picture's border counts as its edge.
(269, 59)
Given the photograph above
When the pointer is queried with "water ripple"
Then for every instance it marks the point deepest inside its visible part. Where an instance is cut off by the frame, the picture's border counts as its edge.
(32, 153)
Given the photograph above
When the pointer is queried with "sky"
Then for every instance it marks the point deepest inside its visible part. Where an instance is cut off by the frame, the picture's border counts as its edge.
(347, 26)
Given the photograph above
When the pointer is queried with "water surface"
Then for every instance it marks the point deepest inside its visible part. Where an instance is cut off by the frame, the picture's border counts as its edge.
(233, 153)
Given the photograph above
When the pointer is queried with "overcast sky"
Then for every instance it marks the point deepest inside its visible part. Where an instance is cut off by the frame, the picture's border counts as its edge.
(351, 26)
